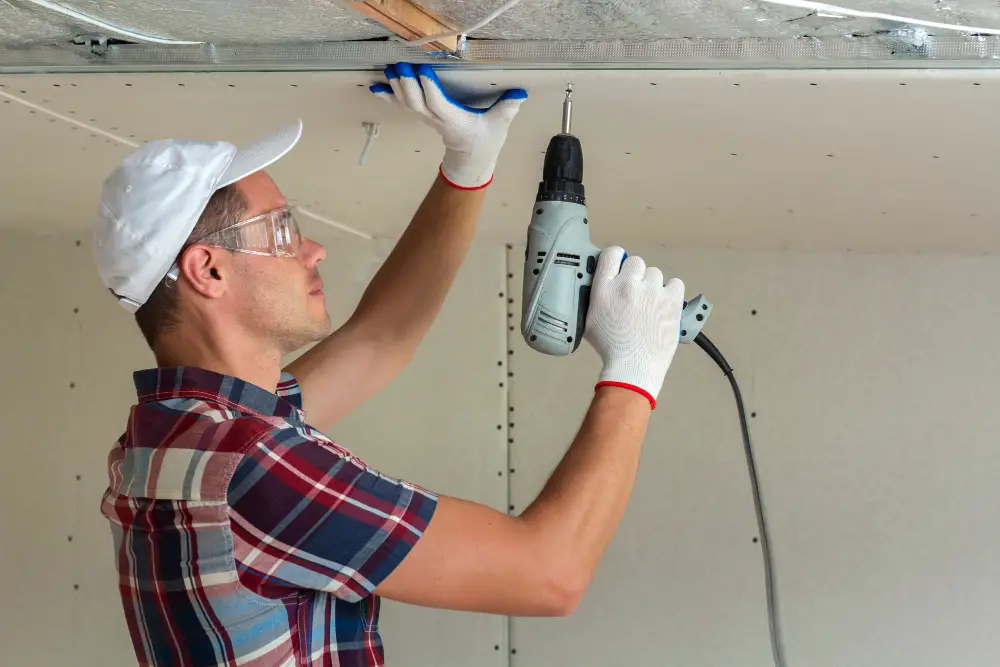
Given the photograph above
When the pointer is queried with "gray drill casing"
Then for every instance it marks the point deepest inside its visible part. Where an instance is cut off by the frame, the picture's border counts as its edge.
(559, 265)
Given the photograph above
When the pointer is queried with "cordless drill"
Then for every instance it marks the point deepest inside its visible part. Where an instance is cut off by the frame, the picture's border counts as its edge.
(560, 259)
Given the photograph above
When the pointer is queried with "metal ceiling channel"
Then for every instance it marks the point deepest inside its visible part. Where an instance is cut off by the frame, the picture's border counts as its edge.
(896, 49)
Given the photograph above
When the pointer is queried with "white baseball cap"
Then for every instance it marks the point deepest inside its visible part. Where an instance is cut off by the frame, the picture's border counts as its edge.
(152, 202)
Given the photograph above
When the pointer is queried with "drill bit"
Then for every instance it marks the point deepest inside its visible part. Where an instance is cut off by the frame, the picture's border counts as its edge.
(567, 117)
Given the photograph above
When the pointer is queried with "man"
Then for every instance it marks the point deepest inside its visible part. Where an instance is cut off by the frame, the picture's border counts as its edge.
(242, 534)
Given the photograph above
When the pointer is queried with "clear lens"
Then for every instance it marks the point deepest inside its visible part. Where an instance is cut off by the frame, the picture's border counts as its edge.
(273, 233)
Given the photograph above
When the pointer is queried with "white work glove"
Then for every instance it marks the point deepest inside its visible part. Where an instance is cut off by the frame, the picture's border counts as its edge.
(472, 137)
(633, 322)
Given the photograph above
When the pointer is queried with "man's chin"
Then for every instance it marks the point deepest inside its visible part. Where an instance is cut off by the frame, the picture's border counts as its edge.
(311, 332)
(317, 329)
(322, 326)
(324, 329)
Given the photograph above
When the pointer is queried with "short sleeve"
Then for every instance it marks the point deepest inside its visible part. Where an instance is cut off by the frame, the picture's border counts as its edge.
(308, 514)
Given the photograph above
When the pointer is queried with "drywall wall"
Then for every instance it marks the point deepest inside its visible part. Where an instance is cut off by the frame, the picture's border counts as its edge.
(833, 160)
(873, 419)
(874, 426)
(873, 415)
(68, 352)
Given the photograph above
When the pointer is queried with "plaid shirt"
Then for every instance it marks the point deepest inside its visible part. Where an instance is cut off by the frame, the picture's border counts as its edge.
(242, 536)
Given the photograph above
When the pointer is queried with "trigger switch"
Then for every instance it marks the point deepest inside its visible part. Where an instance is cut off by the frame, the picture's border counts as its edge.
(591, 265)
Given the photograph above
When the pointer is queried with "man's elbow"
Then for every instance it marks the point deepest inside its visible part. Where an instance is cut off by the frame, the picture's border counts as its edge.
(564, 590)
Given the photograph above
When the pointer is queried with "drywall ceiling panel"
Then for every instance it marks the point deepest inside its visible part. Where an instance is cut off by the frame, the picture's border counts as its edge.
(218, 21)
(851, 160)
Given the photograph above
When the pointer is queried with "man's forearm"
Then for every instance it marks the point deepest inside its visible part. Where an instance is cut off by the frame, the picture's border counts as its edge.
(409, 289)
(579, 509)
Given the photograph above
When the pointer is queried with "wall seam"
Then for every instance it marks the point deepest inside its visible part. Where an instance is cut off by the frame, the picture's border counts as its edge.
(509, 416)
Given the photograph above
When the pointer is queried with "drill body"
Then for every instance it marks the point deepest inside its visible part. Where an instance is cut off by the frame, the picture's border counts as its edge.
(560, 258)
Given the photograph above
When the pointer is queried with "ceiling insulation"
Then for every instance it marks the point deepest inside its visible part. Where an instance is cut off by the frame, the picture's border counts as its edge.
(218, 21)
(22, 26)
(283, 32)
(265, 22)
(652, 19)
(627, 19)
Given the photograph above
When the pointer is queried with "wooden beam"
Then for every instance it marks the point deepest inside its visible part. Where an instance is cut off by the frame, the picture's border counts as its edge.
(410, 21)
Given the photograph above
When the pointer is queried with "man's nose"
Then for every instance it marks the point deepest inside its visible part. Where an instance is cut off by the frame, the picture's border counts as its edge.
(313, 252)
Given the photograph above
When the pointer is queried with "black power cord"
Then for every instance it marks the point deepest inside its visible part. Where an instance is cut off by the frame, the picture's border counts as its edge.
(772, 598)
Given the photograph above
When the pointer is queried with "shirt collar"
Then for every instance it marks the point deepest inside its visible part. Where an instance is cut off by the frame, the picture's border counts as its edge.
(158, 384)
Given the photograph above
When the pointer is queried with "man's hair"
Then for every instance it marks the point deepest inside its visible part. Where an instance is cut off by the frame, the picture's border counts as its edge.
(161, 312)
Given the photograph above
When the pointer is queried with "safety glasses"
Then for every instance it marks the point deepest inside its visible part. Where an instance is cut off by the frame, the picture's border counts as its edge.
(275, 233)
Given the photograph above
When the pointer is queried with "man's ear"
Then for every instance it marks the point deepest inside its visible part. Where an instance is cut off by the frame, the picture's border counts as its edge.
(206, 269)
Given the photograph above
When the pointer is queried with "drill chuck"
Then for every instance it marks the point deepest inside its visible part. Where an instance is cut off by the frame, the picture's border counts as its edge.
(562, 172)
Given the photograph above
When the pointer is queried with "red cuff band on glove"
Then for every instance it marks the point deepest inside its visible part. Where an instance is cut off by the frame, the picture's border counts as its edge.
(463, 187)
(609, 383)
